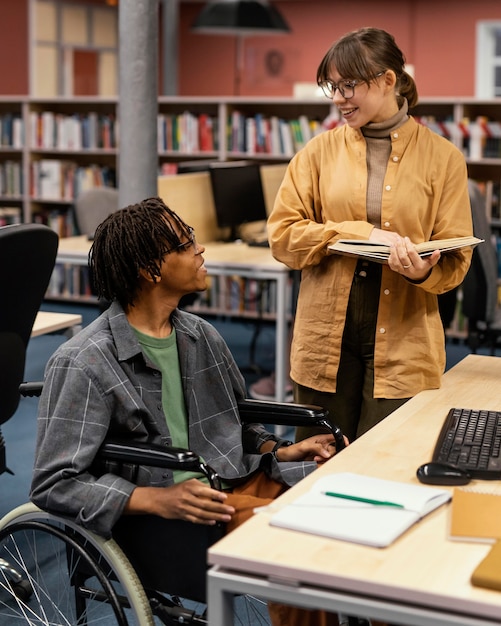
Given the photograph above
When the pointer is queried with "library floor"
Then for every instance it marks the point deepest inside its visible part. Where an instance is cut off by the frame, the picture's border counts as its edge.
(19, 432)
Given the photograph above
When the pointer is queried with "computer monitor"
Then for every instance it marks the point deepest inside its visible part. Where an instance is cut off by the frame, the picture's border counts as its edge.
(238, 195)
(187, 167)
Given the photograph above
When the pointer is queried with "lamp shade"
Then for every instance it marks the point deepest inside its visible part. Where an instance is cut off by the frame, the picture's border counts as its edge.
(240, 17)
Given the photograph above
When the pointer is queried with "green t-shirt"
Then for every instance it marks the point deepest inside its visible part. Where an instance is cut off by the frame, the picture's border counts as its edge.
(163, 353)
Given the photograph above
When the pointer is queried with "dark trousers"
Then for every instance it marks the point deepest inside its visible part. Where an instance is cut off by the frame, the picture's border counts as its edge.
(353, 407)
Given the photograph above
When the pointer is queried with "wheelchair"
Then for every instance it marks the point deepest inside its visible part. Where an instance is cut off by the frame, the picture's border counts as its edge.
(152, 571)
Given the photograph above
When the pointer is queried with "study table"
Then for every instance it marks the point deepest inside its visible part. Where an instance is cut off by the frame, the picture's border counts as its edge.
(49, 322)
(225, 259)
(422, 579)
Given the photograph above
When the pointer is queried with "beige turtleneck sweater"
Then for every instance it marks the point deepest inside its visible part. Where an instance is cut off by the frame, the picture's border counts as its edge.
(377, 137)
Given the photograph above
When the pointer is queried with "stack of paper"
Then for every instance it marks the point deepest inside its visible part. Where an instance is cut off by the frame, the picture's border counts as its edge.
(360, 509)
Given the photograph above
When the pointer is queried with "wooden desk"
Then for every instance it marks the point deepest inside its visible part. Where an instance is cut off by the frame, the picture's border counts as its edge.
(225, 259)
(48, 322)
(421, 579)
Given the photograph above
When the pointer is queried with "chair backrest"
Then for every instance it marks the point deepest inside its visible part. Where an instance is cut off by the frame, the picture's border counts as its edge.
(27, 257)
(93, 206)
(480, 283)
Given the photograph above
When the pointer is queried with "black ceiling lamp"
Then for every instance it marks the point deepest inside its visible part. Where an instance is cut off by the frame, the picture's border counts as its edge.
(240, 17)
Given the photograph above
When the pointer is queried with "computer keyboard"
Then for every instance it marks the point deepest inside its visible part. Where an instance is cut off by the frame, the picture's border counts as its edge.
(471, 440)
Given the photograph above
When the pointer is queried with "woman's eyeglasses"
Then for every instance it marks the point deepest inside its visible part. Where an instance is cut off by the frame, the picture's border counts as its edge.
(346, 87)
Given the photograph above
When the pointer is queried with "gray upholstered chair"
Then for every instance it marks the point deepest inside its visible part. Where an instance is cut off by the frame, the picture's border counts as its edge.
(93, 206)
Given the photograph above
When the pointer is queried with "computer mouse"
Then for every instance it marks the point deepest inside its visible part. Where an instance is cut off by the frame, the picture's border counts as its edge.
(434, 473)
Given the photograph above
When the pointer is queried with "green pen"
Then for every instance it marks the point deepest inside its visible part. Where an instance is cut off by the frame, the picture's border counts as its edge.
(364, 500)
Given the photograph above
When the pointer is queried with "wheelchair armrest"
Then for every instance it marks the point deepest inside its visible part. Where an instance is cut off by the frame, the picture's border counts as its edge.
(289, 414)
(31, 389)
(154, 455)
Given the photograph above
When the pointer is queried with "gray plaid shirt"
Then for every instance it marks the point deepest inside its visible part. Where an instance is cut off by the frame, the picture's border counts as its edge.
(99, 384)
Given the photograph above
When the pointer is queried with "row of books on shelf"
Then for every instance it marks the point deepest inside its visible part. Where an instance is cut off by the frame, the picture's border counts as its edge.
(479, 138)
(231, 295)
(11, 131)
(239, 295)
(11, 179)
(88, 131)
(272, 135)
(191, 133)
(255, 134)
(54, 179)
(187, 132)
(69, 281)
(10, 215)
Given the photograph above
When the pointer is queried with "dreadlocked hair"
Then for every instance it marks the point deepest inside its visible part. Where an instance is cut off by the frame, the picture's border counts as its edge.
(129, 240)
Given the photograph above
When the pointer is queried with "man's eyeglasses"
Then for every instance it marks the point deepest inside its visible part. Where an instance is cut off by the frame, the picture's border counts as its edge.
(186, 245)
(346, 87)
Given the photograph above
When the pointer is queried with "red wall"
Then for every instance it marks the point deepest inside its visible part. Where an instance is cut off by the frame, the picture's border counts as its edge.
(14, 47)
(437, 37)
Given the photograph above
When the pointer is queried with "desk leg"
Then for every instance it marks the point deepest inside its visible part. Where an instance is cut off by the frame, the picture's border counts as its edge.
(220, 602)
(281, 366)
(281, 339)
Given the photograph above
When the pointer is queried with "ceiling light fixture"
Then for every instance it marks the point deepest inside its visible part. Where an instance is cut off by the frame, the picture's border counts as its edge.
(240, 17)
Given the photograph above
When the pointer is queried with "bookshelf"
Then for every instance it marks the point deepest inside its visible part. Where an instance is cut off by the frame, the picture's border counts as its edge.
(51, 148)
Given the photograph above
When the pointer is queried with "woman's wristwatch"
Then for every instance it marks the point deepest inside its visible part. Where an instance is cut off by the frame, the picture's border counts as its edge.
(281, 443)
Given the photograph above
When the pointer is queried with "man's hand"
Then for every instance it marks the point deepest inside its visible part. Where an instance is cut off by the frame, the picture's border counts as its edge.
(191, 500)
(319, 448)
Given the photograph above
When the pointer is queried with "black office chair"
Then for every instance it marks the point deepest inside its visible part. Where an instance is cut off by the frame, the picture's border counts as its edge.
(78, 577)
(27, 257)
(480, 286)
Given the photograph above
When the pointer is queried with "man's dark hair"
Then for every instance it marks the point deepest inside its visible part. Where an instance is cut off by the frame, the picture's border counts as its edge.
(129, 240)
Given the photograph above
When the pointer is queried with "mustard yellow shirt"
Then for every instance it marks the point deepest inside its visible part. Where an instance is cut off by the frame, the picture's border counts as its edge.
(322, 199)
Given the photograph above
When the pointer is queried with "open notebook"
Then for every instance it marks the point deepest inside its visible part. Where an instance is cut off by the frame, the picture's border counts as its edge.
(361, 509)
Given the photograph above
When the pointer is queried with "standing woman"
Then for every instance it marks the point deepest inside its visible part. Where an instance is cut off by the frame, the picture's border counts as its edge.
(368, 337)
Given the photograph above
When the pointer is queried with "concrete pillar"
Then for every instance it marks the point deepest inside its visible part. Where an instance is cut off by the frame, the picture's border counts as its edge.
(170, 41)
(138, 105)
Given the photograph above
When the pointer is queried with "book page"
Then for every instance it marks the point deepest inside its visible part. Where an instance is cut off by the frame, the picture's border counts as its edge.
(379, 252)
(400, 505)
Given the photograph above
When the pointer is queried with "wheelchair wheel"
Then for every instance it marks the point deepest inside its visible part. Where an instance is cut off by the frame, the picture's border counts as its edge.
(68, 575)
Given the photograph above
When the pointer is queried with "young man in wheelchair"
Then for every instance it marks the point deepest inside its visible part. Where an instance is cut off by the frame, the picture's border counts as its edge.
(148, 371)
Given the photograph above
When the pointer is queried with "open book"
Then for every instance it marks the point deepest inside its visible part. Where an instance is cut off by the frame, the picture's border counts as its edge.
(380, 252)
(361, 509)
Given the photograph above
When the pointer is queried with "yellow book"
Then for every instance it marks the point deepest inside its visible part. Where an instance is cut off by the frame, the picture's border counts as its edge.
(475, 516)
(488, 571)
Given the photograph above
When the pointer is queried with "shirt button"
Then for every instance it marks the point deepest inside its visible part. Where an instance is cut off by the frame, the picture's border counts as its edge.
(395, 135)
(388, 187)
(395, 159)
(386, 292)
(387, 224)
(382, 330)
(363, 273)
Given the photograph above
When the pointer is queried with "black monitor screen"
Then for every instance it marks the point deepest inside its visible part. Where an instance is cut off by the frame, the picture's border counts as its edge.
(187, 167)
(238, 195)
